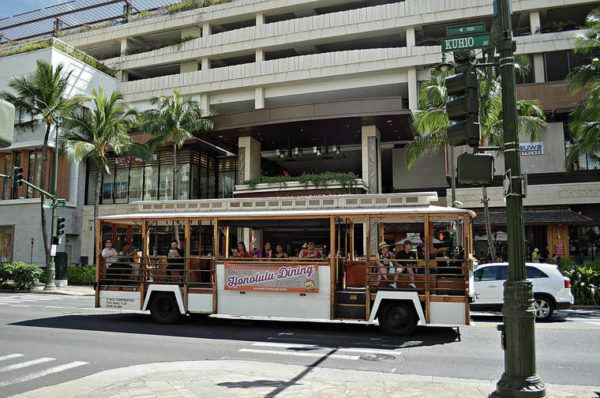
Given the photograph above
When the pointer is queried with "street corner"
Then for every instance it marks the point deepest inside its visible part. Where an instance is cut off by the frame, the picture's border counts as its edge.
(259, 379)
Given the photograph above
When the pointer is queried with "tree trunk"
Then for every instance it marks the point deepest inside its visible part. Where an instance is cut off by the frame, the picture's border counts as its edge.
(96, 204)
(488, 227)
(176, 189)
(43, 175)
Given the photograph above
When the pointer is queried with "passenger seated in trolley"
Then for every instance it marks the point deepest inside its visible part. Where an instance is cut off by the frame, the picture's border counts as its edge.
(310, 251)
(383, 262)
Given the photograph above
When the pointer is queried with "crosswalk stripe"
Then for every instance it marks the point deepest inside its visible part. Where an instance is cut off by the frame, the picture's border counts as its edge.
(312, 346)
(25, 364)
(42, 373)
(11, 356)
(301, 354)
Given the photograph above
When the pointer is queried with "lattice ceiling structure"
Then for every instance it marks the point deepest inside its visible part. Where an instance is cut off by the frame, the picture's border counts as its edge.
(73, 14)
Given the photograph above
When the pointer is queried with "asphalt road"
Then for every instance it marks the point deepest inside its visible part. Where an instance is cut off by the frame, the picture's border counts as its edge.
(50, 339)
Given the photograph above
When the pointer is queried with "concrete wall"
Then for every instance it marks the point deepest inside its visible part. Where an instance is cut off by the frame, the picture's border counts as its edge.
(428, 172)
(553, 159)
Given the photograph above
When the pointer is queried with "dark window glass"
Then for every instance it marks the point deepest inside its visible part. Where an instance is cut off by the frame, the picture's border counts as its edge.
(502, 273)
(533, 272)
(486, 274)
(557, 65)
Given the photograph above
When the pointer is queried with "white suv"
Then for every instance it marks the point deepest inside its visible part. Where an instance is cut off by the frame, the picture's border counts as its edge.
(551, 290)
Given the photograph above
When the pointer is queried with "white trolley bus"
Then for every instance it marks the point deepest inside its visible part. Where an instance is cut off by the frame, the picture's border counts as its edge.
(179, 258)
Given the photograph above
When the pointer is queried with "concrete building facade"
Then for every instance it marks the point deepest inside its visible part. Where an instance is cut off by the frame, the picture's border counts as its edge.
(307, 86)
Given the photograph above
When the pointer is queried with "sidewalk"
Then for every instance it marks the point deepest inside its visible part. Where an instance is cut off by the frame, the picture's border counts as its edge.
(242, 379)
(66, 290)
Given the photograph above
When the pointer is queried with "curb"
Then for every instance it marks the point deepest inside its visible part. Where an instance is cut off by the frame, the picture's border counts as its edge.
(585, 307)
(61, 293)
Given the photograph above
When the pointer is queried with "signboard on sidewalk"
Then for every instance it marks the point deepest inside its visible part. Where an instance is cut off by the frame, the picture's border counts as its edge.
(298, 278)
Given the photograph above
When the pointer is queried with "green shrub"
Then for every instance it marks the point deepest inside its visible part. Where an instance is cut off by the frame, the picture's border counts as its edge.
(585, 280)
(22, 275)
(346, 180)
(84, 275)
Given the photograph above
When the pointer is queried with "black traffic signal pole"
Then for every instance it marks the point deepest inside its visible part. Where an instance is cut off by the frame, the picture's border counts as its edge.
(518, 331)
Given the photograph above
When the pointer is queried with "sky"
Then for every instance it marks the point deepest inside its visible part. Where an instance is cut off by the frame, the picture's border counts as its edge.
(13, 7)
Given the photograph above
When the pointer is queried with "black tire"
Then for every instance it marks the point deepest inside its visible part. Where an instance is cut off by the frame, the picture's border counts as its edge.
(544, 307)
(164, 309)
(397, 319)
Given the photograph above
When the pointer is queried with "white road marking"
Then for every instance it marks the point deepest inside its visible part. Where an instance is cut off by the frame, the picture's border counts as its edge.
(25, 364)
(54, 306)
(20, 305)
(301, 354)
(11, 356)
(315, 347)
(42, 373)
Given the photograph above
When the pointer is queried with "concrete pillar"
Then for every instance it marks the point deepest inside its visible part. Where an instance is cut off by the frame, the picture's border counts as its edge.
(191, 31)
(259, 98)
(371, 158)
(248, 159)
(410, 37)
(260, 55)
(188, 66)
(260, 19)
(413, 92)
(206, 29)
(535, 22)
(538, 68)
(205, 104)
(122, 76)
(205, 64)
(124, 44)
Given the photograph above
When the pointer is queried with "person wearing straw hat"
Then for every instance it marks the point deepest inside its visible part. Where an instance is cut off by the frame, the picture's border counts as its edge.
(383, 262)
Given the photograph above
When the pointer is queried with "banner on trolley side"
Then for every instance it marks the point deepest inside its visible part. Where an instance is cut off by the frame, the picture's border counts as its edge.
(299, 278)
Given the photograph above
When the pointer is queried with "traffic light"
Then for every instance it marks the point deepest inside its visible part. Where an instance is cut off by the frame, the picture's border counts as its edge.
(60, 226)
(463, 105)
(17, 181)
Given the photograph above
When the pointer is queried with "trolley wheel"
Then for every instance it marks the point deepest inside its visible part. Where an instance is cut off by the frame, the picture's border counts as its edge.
(398, 318)
(164, 309)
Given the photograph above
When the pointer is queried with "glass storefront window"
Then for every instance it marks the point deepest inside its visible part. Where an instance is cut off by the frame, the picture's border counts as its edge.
(203, 182)
(166, 183)
(92, 178)
(121, 186)
(107, 188)
(6, 243)
(226, 184)
(136, 183)
(150, 182)
(195, 183)
(184, 181)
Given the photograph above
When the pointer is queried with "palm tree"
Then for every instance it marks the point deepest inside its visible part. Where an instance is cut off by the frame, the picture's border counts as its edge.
(430, 124)
(41, 96)
(584, 125)
(92, 133)
(173, 121)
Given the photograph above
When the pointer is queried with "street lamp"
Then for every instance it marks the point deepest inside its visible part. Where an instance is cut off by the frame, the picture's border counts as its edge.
(444, 66)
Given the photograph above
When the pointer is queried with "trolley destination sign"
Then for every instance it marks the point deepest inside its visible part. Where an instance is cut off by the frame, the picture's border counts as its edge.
(470, 42)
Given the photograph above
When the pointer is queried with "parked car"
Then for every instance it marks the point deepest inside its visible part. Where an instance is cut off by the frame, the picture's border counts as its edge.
(551, 290)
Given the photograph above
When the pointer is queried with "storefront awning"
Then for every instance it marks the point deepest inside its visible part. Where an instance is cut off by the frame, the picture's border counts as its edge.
(536, 217)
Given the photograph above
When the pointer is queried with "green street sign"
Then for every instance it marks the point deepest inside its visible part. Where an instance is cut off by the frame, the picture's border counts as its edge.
(460, 30)
(482, 40)
(47, 204)
(61, 202)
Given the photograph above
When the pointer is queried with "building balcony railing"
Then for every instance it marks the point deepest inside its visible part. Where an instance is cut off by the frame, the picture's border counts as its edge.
(552, 95)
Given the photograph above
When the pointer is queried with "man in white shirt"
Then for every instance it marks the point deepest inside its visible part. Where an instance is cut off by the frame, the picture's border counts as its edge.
(109, 254)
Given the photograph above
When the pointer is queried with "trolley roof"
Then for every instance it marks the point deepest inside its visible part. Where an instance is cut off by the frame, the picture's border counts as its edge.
(313, 213)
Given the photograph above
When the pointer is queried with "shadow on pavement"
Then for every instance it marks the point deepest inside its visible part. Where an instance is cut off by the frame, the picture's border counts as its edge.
(330, 334)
